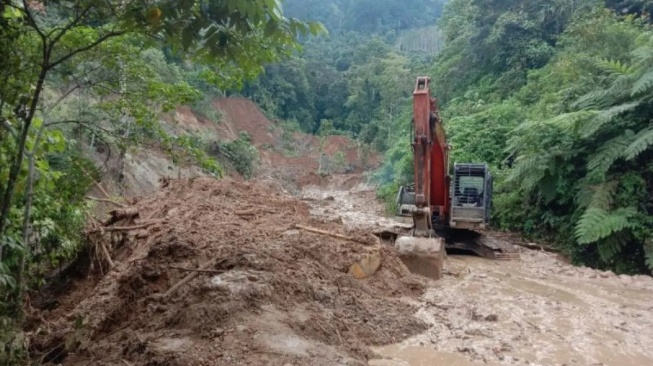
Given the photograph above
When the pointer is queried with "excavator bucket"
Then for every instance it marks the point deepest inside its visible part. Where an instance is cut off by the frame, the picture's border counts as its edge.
(422, 256)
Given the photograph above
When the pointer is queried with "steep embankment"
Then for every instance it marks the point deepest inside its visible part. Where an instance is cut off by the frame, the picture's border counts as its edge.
(290, 159)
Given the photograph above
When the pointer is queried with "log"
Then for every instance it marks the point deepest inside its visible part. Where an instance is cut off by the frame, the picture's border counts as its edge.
(331, 234)
(106, 254)
(188, 278)
(127, 228)
(197, 270)
(538, 247)
(253, 212)
(121, 214)
(106, 200)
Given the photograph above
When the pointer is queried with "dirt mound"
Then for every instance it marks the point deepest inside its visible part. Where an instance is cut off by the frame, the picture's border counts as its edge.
(220, 277)
(295, 155)
(241, 114)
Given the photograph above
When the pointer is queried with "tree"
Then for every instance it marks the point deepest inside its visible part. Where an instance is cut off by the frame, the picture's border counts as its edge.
(105, 53)
(228, 33)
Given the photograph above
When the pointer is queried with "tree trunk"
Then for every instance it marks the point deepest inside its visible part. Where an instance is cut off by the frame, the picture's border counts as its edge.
(20, 149)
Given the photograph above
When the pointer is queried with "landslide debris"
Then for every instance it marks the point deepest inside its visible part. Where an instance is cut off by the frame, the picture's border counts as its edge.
(215, 273)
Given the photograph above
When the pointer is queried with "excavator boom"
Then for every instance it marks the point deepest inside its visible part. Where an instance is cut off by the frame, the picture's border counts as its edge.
(423, 252)
(434, 205)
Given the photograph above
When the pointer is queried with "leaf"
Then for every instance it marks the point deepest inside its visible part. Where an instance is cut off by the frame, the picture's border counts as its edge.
(609, 247)
(596, 224)
(643, 141)
(643, 84)
(648, 251)
(599, 163)
(570, 121)
(270, 28)
(187, 36)
(607, 115)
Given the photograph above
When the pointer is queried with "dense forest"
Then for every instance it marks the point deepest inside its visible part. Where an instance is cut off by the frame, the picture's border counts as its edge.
(553, 95)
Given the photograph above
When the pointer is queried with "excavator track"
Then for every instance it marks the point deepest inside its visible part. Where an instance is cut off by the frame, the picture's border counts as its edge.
(480, 244)
(500, 249)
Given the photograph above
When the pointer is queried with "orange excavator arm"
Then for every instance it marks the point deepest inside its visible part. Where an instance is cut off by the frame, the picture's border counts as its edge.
(430, 161)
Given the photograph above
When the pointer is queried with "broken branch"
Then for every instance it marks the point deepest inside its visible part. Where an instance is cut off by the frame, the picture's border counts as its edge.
(331, 234)
(106, 200)
(197, 270)
(121, 214)
(188, 278)
(128, 228)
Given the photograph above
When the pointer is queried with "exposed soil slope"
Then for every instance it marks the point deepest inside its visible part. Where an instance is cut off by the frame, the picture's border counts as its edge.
(269, 294)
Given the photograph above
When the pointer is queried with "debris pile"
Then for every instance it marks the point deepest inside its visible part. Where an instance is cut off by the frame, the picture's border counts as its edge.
(210, 272)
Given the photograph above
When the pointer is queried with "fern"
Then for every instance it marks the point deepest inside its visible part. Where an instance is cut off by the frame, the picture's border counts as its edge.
(593, 100)
(643, 141)
(528, 171)
(648, 252)
(643, 84)
(570, 121)
(548, 187)
(597, 224)
(612, 245)
(611, 151)
(614, 67)
(604, 117)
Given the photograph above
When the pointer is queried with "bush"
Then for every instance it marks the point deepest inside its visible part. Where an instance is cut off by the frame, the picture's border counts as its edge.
(241, 154)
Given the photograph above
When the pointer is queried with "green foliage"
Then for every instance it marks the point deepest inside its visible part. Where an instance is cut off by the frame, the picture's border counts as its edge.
(556, 97)
(604, 137)
(77, 73)
(241, 154)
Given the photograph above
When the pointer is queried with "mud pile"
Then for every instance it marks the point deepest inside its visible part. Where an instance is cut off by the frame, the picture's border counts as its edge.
(221, 277)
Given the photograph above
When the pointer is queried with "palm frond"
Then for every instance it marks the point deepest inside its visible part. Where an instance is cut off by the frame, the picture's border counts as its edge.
(548, 187)
(596, 224)
(614, 67)
(596, 99)
(590, 128)
(648, 252)
(596, 195)
(570, 121)
(612, 245)
(528, 171)
(599, 163)
(643, 83)
(643, 141)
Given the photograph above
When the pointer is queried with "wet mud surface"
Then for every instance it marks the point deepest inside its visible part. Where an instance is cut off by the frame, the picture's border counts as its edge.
(272, 294)
(535, 311)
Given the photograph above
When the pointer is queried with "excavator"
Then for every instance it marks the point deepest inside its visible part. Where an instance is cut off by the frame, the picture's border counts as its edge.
(449, 206)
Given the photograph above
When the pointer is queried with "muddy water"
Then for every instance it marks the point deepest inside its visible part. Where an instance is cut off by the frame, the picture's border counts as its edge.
(535, 311)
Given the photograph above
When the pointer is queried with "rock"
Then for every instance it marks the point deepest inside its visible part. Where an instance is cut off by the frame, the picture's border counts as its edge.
(492, 318)
(218, 332)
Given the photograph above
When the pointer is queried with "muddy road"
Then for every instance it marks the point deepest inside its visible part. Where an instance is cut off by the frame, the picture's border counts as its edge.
(535, 311)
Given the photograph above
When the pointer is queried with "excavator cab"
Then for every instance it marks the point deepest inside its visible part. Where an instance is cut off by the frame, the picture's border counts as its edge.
(471, 196)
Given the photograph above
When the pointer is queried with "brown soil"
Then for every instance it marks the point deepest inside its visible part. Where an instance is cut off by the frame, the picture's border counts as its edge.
(272, 294)
(297, 154)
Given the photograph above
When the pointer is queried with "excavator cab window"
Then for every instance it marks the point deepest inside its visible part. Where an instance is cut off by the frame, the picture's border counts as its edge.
(469, 190)
(469, 194)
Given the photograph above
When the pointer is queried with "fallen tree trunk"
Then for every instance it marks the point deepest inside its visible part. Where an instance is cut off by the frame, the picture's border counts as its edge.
(331, 234)
(121, 214)
(538, 247)
(127, 228)
(192, 275)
